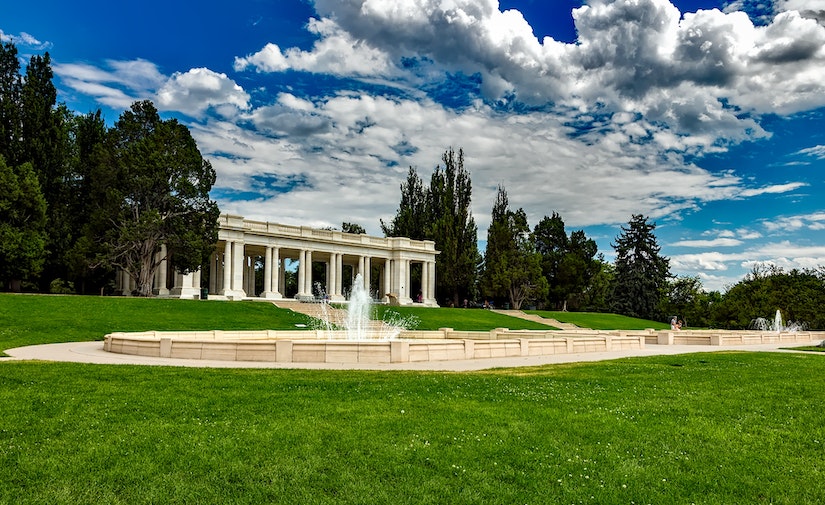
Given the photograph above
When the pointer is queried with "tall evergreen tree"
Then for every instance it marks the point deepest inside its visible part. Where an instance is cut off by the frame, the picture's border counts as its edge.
(453, 229)
(87, 186)
(550, 239)
(160, 195)
(567, 263)
(641, 271)
(512, 267)
(412, 217)
(10, 89)
(442, 213)
(44, 140)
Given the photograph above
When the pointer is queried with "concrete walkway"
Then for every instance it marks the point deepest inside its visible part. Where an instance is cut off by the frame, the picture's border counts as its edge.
(92, 352)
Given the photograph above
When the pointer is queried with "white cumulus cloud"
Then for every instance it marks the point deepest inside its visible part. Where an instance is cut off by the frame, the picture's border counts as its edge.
(196, 90)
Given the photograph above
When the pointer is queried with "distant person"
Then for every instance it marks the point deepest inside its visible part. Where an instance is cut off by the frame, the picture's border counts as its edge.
(466, 303)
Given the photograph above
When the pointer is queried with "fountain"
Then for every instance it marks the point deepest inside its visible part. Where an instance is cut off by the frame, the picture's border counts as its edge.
(358, 311)
(777, 325)
(355, 322)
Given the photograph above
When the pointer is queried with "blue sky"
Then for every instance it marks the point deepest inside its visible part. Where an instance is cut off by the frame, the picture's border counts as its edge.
(705, 116)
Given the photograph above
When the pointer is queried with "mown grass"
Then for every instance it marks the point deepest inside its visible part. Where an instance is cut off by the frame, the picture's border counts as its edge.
(42, 319)
(601, 321)
(459, 319)
(716, 428)
(39, 319)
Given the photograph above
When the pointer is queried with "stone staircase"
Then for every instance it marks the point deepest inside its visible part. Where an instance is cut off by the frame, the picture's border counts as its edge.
(329, 313)
(538, 319)
(316, 310)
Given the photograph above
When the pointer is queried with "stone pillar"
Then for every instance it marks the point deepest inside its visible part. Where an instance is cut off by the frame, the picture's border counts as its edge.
(387, 278)
(250, 276)
(185, 286)
(238, 269)
(366, 273)
(267, 271)
(425, 280)
(233, 271)
(271, 271)
(160, 278)
(302, 267)
(404, 282)
(282, 277)
(226, 289)
(276, 272)
(332, 274)
(430, 296)
(339, 279)
(125, 283)
(196, 282)
(310, 289)
(213, 273)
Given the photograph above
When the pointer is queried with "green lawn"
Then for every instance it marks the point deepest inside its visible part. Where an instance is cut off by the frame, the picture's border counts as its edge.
(460, 319)
(39, 319)
(601, 321)
(715, 428)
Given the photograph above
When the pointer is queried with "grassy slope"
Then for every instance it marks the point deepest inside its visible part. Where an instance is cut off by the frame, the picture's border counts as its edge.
(715, 428)
(601, 321)
(37, 319)
(461, 319)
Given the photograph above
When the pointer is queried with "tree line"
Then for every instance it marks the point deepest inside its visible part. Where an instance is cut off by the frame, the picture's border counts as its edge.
(547, 267)
(79, 200)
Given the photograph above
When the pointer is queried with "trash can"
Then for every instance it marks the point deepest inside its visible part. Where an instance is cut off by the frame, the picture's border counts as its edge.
(204, 293)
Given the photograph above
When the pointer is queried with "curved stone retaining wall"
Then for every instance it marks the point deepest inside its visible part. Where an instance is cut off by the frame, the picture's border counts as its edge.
(322, 347)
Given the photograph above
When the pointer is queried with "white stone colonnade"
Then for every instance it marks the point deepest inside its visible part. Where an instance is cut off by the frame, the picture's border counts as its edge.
(241, 242)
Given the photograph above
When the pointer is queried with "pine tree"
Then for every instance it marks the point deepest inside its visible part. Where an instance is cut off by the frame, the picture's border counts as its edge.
(641, 272)
(10, 89)
(442, 213)
(512, 267)
(412, 216)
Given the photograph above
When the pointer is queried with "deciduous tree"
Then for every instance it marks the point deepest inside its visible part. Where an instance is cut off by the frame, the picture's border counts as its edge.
(22, 225)
(160, 196)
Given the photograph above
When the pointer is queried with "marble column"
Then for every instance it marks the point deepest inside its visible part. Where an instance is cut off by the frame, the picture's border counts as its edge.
(366, 273)
(227, 268)
(160, 279)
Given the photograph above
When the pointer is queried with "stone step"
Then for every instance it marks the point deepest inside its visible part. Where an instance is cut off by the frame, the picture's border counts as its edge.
(536, 318)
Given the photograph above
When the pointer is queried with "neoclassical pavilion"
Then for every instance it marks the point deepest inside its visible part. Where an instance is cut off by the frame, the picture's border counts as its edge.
(385, 264)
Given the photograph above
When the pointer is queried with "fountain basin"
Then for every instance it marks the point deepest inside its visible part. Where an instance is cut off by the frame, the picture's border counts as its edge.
(446, 344)
(321, 346)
